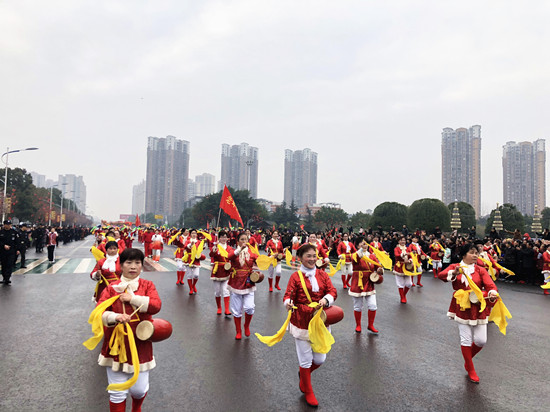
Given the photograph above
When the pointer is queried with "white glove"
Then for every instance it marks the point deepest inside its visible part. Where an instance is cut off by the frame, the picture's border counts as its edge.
(238, 250)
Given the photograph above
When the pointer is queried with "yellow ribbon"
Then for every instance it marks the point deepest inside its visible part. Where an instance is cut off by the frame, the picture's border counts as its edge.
(253, 249)
(173, 238)
(222, 251)
(272, 340)
(288, 256)
(97, 323)
(215, 269)
(463, 299)
(382, 257)
(361, 280)
(499, 314)
(489, 265)
(206, 235)
(545, 286)
(135, 362)
(475, 289)
(503, 269)
(98, 254)
(264, 262)
(116, 343)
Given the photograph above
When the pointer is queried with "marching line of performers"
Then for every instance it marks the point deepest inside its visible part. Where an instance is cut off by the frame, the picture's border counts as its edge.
(235, 276)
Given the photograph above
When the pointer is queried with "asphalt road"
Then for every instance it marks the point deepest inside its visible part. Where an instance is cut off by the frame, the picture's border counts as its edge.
(414, 364)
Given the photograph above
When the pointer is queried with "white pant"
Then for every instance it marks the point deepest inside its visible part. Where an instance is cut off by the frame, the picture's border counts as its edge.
(347, 269)
(220, 288)
(276, 269)
(138, 391)
(403, 281)
(370, 301)
(436, 264)
(242, 303)
(193, 272)
(180, 266)
(469, 333)
(306, 356)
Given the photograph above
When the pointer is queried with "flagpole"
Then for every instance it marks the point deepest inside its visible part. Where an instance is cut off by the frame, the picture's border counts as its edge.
(218, 222)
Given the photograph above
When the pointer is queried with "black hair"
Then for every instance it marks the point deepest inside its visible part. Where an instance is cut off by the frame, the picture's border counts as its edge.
(304, 249)
(222, 233)
(131, 254)
(466, 247)
(111, 243)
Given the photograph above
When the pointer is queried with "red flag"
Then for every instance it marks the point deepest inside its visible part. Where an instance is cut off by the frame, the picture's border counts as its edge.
(227, 204)
(302, 227)
(138, 222)
(207, 225)
(273, 227)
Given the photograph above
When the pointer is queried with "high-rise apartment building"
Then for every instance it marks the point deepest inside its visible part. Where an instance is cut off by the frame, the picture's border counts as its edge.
(73, 188)
(240, 168)
(461, 166)
(205, 184)
(138, 198)
(524, 175)
(167, 176)
(300, 177)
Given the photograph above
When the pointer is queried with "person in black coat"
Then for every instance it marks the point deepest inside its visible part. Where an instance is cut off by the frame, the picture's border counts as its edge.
(8, 250)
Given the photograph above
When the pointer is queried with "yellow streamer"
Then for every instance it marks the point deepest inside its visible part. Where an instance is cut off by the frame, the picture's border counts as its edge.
(288, 256)
(215, 268)
(361, 280)
(272, 340)
(489, 265)
(206, 235)
(135, 363)
(173, 238)
(264, 262)
(476, 290)
(98, 254)
(97, 323)
(545, 286)
(116, 343)
(499, 314)
(503, 269)
(382, 257)
(253, 249)
(463, 299)
(321, 339)
(332, 269)
(222, 251)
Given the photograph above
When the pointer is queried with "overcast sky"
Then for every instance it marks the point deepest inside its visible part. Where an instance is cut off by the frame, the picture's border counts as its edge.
(367, 85)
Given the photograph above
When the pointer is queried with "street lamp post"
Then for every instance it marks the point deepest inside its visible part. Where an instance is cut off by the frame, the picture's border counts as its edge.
(8, 151)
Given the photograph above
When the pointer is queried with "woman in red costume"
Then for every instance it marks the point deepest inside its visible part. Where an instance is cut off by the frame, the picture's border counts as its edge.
(240, 286)
(320, 289)
(221, 271)
(106, 270)
(472, 324)
(135, 293)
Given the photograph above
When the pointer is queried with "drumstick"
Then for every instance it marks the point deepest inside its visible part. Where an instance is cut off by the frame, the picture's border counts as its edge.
(134, 312)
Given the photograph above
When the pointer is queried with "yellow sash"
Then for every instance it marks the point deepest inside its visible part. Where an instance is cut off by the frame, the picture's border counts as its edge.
(499, 314)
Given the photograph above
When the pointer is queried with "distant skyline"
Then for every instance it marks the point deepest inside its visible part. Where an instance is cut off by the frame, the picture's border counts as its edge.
(368, 86)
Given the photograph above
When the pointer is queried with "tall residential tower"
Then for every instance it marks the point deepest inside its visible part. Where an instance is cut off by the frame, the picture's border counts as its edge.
(461, 166)
(167, 176)
(524, 175)
(240, 168)
(300, 177)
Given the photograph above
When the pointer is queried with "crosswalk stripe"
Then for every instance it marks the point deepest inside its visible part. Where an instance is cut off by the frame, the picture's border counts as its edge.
(30, 266)
(85, 266)
(56, 266)
(156, 265)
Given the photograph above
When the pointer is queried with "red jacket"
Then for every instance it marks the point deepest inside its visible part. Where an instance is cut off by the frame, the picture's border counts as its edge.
(274, 250)
(295, 292)
(362, 270)
(219, 272)
(342, 250)
(239, 281)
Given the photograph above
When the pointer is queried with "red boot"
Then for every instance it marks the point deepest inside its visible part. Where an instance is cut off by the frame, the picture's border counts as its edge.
(117, 407)
(475, 349)
(277, 279)
(372, 315)
(237, 327)
(546, 292)
(247, 320)
(136, 403)
(348, 279)
(419, 278)
(195, 285)
(305, 383)
(190, 283)
(402, 294)
(226, 304)
(406, 290)
(435, 273)
(357, 321)
(344, 282)
(219, 305)
(270, 284)
(469, 364)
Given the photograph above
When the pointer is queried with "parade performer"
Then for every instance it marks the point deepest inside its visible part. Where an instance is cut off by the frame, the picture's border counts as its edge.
(120, 309)
(345, 249)
(322, 256)
(475, 294)
(296, 243)
(307, 286)
(157, 245)
(180, 255)
(120, 241)
(403, 281)
(240, 286)
(147, 241)
(194, 248)
(415, 252)
(274, 248)
(221, 271)
(367, 271)
(436, 254)
(106, 270)
(545, 256)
